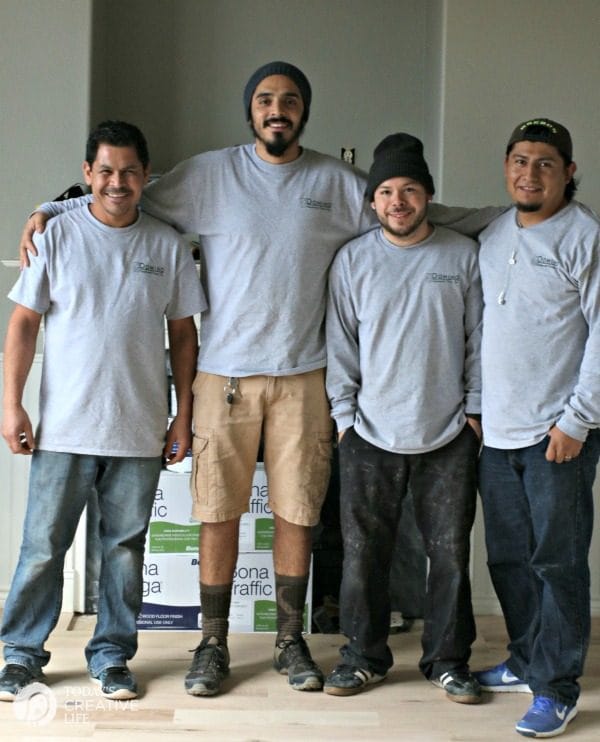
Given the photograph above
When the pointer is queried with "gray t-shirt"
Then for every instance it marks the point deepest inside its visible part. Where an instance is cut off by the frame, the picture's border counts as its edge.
(403, 339)
(541, 337)
(104, 293)
(268, 234)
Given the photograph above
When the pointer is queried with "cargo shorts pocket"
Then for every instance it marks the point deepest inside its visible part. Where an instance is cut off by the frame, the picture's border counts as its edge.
(200, 483)
(317, 474)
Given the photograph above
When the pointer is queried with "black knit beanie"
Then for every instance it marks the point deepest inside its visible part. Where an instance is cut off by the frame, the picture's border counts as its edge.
(398, 156)
(279, 68)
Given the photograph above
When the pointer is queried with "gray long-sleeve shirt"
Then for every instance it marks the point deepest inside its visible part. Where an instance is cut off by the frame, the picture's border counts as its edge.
(403, 339)
(541, 338)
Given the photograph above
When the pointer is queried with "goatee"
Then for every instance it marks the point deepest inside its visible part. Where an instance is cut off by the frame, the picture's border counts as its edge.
(278, 147)
(528, 208)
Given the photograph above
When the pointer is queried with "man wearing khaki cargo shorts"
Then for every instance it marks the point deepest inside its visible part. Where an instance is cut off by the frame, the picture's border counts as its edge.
(262, 356)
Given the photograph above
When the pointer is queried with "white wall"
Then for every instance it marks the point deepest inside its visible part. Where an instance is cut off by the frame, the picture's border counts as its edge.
(44, 106)
(44, 102)
(44, 94)
(13, 487)
(505, 62)
(188, 62)
(499, 64)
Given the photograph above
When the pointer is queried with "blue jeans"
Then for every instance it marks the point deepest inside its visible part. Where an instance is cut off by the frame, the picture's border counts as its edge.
(538, 523)
(59, 486)
(374, 484)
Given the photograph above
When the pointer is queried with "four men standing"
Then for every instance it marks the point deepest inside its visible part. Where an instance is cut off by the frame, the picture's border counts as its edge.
(404, 329)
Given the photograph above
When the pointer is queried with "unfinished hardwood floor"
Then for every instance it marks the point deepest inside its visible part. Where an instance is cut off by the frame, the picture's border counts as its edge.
(257, 705)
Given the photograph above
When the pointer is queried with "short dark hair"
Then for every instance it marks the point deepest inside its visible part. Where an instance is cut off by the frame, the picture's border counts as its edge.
(117, 134)
(571, 187)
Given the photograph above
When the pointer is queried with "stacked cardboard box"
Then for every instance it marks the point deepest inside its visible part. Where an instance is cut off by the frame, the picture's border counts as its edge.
(171, 569)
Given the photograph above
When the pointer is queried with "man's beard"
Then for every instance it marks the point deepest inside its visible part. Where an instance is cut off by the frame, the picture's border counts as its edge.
(279, 145)
(527, 208)
(410, 229)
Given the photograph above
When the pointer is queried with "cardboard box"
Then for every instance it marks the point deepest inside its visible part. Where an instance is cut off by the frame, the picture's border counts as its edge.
(171, 570)
(173, 531)
(171, 594)
(171, 597)
(257, 525)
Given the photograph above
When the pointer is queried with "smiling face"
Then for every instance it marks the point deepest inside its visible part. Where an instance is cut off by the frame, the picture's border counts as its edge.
(401, 207)
(536, 177)
(276, 118)
(116, 178)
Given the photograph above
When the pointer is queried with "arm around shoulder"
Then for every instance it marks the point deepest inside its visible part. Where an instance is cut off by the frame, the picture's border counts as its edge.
(36, 222)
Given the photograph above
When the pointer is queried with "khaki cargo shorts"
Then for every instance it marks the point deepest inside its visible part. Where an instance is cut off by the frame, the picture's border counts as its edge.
(292, 415)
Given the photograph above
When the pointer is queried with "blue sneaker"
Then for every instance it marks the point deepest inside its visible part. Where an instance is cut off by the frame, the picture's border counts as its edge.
(546, 718)
(500, 679)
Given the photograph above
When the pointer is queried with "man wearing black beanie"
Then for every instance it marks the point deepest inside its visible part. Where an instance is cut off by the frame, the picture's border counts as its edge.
(403, 378)
(277, 133)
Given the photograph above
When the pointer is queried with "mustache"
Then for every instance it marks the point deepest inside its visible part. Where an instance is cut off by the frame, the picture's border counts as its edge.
(277, 120)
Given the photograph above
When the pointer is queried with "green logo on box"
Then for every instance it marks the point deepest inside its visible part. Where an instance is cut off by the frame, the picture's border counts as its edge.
(265, 616)
(173, 538)
(263, 534)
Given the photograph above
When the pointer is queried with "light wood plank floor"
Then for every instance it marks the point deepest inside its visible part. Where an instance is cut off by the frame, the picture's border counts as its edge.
(258, 705)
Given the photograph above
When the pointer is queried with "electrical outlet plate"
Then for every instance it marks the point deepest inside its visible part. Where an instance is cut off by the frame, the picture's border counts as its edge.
(348, 154)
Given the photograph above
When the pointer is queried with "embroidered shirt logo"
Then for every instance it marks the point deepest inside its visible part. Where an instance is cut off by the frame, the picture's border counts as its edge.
(544, 262)
(443, 277)
(155, 270)
(311, 203)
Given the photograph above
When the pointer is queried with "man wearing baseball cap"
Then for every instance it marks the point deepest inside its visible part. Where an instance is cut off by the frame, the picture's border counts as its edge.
(403, 378)
(541, 412)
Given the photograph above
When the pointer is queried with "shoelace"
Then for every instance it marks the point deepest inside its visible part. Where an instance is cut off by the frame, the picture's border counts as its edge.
(205, 657)
(296, 652)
